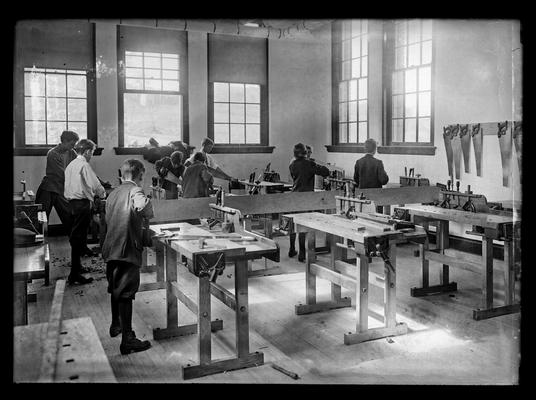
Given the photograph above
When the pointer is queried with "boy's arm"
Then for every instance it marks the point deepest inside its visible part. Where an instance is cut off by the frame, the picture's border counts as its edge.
(141, 203)
(92, 181)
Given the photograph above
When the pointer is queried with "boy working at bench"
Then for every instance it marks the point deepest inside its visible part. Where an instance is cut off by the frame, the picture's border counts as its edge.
(128, 210)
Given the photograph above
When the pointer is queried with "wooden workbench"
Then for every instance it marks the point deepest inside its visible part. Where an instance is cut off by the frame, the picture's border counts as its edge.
(31, 262)
(266, 187)
(358, 238)
(491, 227)
(238, 252)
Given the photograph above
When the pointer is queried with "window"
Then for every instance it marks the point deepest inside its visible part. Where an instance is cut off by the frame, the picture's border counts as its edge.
(237, 94)
(152, 86)
(237, 113)
(410, 99)
(350, 44)
(54, 100)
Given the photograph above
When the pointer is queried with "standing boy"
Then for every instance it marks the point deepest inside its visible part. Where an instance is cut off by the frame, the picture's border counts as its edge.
(128, 209)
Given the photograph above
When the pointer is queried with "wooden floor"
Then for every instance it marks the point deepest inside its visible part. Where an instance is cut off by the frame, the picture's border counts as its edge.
(444, 344)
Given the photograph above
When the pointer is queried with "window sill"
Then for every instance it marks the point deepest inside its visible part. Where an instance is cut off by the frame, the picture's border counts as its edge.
(224, 149)
(417, 150)
(42, 151)
(345, 148)
(123, 151)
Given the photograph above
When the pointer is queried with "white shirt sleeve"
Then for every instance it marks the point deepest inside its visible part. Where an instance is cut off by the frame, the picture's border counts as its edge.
(90, 182)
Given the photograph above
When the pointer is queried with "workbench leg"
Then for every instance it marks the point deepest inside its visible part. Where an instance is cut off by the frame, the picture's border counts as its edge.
(310, 278)
(487, 282)
(361, 298)
(390, 289)
(335, 254)
(509, 272)
(242, 308)
(20, 302)
(443, 243)
(425, 264)
(268, 226)
(171, 276)
(203, 321)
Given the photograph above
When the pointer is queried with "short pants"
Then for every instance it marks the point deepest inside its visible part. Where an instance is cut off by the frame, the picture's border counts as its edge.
(123, 279)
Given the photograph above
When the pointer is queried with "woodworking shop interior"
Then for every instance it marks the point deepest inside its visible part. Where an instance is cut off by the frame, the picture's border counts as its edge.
(415, 281)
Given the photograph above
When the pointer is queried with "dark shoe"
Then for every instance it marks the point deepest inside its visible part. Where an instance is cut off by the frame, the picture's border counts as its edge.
(301, 258)
(115, 330)
(292, 253)
(79, 279)
(131, 344)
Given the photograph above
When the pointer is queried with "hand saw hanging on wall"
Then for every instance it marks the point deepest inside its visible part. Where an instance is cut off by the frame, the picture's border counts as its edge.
(456, 149)
(447, 137)
(517, 136)
(476, 134)
(465, 139)
(505, 143)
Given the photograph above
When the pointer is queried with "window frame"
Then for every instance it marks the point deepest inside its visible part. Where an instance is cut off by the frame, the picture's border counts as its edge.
(121, 90)
(389, 55)
(336, 79)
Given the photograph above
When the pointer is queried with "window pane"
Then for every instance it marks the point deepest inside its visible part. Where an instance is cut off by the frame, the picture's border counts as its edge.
(400, 32)
(253, 94)
(56, 110)
(77, 110)
(346, 70)
(237, 92)
(221, 112)
(411, 80)
(363, 110)
(346, 50)
(364, 66)
(34, 108)
(356, 47)
(221, 133)
(398, 80)
(56, 85)
(147, 54)
(76, 86)
(353, 90)
(398, 104)
(363, 88)
(414, 57)
(152, 62)
(414, 31)
(356, 27)
(153, 84)
(346, 29)
(397, 130)
(152, 115)
(133, 61)
(253, 113)
(364, 45)
(169, 63)
(133, 73)
(352, 132)
(133, 53)
(78, 127)
(411, 130)
(343, 133)
(170, 55)
(54, 130)
(343, 91)
(427, 52)
(424, 129)
(352, 111)
(166, 74)
(253, 133)
(237, 113)
(172, 86)
(400, 61)
(34, 84)
(35, 132)
(411, 105)
(426, 29)
(425, 78)
(237, 133)
(221, 91)
(424, 104)
(356, 68)
(152, 73)
(363, 134)
(343, 112)
(134, 84)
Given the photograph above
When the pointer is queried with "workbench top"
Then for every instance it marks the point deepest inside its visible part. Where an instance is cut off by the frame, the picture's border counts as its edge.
(484, 220)
(29, 262)
(340, 226)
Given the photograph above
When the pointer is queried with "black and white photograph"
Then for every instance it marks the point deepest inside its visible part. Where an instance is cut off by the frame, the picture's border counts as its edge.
(267, 201)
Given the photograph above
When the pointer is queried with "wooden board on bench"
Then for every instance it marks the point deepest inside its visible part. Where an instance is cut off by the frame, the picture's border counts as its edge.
(81, 357)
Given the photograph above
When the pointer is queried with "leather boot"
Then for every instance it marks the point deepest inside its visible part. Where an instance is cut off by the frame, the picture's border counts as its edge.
(131, 344)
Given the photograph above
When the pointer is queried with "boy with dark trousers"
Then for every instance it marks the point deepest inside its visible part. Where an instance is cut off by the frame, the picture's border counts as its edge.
(128, 209)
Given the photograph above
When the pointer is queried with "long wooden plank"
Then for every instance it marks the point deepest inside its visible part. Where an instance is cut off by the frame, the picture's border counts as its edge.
(223, 295)
(50, 352)
(455, 262)
(334, 277)
(183, 297)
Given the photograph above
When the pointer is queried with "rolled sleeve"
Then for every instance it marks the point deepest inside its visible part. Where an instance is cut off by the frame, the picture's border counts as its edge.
(141, 203)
